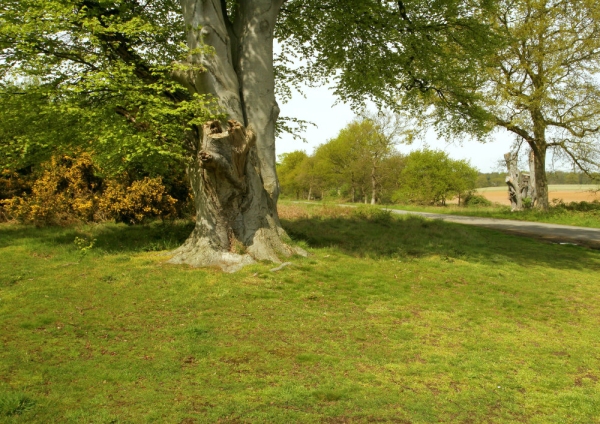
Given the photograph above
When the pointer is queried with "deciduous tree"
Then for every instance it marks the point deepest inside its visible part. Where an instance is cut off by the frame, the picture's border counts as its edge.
(431, 177)
(287, 170)
(541, 85)
(195, 80)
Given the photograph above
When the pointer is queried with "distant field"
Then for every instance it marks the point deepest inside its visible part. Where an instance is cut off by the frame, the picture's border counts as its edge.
(566, 192)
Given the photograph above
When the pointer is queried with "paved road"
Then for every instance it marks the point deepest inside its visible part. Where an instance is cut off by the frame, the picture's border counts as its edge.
(552, 232)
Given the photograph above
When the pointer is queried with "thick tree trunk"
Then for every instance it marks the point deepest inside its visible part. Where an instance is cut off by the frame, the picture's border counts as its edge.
(532, 189)
(233, 172)
(234, 223)
(539, 146)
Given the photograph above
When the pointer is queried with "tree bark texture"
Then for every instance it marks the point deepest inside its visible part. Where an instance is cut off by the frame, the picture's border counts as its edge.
(532, 179)
(541, 180)
(233, 172)
(513, 181)
(539, 146)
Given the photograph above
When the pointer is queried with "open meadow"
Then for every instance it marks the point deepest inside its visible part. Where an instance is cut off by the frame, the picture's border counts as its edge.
(389, 319)
(565, 192)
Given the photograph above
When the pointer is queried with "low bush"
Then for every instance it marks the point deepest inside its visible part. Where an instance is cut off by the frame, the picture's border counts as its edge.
(15, 183)
(473, 199)
(134, 204)
(68, 189)
(582, 206)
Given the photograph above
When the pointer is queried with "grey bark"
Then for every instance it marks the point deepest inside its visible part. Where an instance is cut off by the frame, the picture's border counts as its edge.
(233, 172)
(539, 146)
(541, 180)
(513, 181)
(521, 185)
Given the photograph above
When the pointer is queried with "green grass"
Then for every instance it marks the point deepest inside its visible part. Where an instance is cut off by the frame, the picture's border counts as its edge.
(388, 320)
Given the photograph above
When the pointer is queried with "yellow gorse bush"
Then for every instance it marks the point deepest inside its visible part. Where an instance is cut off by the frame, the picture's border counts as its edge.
(65, 192)
(143, 199)
(68, 190)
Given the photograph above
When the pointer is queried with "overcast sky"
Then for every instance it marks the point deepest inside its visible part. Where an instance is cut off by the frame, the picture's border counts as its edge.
(318, 107)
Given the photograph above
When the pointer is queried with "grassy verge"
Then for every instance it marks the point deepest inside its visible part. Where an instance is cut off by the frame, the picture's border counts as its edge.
(556, 215)
(390, 319)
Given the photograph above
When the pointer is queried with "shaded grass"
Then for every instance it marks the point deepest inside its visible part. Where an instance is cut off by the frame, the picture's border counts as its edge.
(388, 320)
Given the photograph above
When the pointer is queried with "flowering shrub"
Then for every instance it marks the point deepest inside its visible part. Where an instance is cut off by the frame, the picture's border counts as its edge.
(143, 199)
(69, 190)
(65, 192)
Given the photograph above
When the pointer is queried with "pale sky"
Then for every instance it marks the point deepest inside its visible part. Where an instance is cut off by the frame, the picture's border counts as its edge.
(318, 107)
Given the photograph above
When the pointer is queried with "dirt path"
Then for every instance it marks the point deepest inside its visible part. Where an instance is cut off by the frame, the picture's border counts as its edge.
(555, 233)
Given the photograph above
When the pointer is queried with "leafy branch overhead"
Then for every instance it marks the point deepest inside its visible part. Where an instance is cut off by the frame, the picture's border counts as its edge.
(107, 66)
(149, 81)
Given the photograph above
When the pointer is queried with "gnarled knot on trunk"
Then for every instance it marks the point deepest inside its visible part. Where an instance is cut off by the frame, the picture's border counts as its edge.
(214, 127)
(205, 159)
(225, 152)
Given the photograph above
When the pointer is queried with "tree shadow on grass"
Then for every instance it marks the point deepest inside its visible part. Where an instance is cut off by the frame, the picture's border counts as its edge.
(413, 236)
(108, 237)
(393, 237)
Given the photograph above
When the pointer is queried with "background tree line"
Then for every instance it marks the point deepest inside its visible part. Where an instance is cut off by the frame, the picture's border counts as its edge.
(362, 164)
(498, 179)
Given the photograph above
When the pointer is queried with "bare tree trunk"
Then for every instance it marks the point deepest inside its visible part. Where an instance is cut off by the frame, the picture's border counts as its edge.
(233, 171)
(353, 194)
(513, 181)
(309, 192)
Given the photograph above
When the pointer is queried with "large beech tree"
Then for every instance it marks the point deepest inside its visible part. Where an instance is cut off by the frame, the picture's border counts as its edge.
(196, 80)
(541, 85)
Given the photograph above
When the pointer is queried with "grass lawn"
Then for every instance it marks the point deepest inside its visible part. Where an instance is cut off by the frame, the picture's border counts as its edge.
(390, 319)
